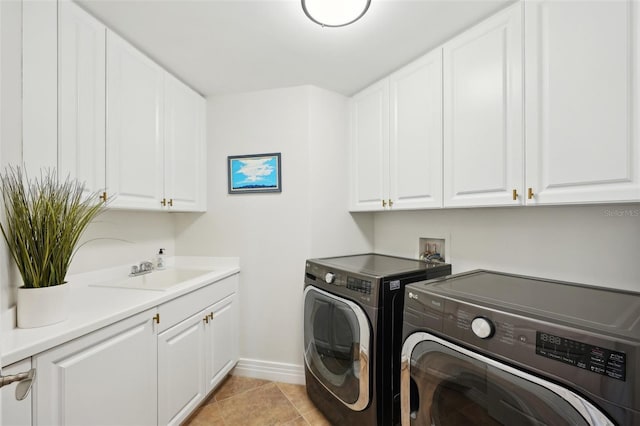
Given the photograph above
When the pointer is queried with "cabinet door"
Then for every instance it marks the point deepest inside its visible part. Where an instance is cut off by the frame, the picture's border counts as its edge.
(222, 340)
(181, 372)
(81, 93)
(370, 148)
(415, 153)
(134, 136)
(39, 86)
(184, 147)
(582, 93)
(106, 377)
(483, 146)
(14, 412)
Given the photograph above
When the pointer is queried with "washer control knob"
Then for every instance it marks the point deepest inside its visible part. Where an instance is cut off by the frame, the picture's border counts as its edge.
(482, 327)
(330, 277)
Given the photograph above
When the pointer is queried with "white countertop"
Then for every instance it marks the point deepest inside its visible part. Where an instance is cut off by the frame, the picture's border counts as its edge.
(91, 308)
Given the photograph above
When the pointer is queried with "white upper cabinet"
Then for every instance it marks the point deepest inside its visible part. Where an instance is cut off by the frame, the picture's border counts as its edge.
(415, 148)
(396, 139)
(483, 117)
(39, 86)
(135, 158)
(104, 113)
(81, 96)
(156, 153)
(184, 147)
(370, 148)
(582, 72)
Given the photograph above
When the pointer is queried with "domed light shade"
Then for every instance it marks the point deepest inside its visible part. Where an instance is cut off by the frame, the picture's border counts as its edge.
(335, 13)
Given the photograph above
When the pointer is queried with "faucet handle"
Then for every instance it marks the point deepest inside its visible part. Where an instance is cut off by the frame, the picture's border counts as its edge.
(146, 266)
(134, 269)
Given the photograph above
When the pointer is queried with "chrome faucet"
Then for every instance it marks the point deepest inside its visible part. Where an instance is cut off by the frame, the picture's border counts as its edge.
(145, 267)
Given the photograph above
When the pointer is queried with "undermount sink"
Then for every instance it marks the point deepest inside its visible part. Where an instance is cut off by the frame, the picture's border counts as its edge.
(156, 280)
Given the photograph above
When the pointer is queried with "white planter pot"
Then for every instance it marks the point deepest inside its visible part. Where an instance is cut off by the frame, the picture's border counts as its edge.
(42, 306)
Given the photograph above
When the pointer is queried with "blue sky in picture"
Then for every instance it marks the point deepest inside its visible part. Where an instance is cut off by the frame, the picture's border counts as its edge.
(256, 172)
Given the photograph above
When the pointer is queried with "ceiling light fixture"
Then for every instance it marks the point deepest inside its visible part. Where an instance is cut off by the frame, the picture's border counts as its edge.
(335, 13)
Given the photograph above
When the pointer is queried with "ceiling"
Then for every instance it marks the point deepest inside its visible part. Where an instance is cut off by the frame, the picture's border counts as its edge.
(227, 46)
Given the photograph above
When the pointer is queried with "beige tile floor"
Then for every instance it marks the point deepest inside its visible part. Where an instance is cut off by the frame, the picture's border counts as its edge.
(242, 401)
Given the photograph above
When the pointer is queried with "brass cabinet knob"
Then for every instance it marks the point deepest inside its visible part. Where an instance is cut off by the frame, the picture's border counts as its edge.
(156, 318)
(390, 203)
(384, 203)
(530, 193)
(170, 202)
(103, 197)
(515, 194)
(206, 319)
(163, 203)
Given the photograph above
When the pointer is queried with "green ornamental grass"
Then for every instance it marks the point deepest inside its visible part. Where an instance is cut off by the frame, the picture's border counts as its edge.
(44, 220)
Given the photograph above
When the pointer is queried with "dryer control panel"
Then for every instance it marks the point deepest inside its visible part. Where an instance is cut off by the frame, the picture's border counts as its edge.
(582, 355)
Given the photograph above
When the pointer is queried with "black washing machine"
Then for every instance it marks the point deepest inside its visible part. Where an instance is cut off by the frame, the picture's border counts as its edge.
(490, 348)
(353, 334)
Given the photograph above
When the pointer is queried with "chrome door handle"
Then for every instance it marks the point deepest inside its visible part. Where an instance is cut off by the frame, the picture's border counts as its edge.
(25, 380)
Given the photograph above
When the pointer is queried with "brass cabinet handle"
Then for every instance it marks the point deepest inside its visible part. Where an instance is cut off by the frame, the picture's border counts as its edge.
(156, 318)
(206, 319)
(515, 194)
(170, 202)
(530, 194)
(103, 197)
(163, 203)
(390, 203)
(384, 203)
(211, 315)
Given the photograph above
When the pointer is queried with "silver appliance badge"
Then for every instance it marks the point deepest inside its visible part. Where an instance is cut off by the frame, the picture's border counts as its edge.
(394, 285)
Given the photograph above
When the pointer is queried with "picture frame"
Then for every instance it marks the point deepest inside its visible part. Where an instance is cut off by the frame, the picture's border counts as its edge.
(254, 173)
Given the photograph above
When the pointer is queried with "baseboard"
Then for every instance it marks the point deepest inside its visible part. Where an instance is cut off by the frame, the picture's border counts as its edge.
(267, 370)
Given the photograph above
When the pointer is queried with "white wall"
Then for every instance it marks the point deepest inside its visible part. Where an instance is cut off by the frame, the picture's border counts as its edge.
(597, 245)
(333, 230)
(272, 233)
(119, 237)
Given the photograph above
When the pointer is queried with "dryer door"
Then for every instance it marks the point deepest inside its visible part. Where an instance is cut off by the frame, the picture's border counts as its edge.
(336, 346)
(444, 384)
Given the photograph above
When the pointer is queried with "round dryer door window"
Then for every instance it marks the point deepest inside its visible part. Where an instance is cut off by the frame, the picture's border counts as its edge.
(444, 384)
(336, 346)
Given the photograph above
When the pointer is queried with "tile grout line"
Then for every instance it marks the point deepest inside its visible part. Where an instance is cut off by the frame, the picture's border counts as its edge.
(291, 402)
(239, 393)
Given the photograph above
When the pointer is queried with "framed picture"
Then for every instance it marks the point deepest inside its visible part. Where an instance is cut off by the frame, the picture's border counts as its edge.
(254, 173)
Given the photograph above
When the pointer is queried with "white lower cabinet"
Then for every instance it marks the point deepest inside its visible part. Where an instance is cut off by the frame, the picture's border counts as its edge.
(14, 412)
(155, 367)
(193, 358)
(222, 340)
(181, 375)
(107, 377)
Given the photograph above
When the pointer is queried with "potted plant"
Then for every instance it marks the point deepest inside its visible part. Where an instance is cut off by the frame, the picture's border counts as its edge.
(44, 219)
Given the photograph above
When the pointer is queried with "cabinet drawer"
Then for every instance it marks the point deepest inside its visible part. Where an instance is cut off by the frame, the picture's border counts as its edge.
(183, 307)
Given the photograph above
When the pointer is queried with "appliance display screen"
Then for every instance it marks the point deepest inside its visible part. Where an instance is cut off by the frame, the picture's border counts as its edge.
(361, 286)
(599, 360)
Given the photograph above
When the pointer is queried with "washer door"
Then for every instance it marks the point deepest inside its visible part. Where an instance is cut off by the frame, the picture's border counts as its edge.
(444, 384)
(336, 346)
